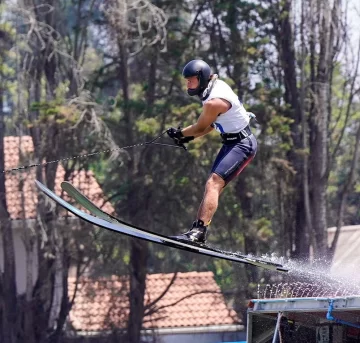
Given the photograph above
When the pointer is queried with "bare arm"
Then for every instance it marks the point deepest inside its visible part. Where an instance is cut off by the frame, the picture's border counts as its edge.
(205, 132)
(211, 110)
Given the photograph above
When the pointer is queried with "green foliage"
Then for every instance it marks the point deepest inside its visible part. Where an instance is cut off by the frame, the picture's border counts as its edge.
(278, 128)
(224, 273)
(264, 229)
(149, 126)
(53, 112)
(160, 188)
(357, 187)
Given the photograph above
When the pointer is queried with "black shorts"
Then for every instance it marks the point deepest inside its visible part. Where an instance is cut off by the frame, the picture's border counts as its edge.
(233, 158)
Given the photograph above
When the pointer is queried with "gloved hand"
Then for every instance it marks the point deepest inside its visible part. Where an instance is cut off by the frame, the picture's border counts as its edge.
(174, 133)
(178, 137)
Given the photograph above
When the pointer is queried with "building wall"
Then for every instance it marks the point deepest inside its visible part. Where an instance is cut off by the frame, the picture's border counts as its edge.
(20, 255)
(21, 259)
(214, 337)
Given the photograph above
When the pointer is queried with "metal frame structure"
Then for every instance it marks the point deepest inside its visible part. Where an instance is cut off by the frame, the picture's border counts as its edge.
(310, 320)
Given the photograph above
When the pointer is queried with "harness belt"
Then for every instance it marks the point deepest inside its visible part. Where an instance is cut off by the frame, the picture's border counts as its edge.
(233, 138)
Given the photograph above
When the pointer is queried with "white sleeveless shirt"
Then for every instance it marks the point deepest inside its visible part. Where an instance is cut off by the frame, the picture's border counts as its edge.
(236, 118)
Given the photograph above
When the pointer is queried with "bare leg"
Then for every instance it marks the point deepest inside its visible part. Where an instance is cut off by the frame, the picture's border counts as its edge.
(213, 188)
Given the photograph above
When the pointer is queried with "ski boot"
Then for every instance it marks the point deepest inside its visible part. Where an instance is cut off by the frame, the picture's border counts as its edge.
(197, 234)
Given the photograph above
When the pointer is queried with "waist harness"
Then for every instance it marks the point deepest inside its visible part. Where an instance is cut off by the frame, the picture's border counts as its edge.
(233, 138)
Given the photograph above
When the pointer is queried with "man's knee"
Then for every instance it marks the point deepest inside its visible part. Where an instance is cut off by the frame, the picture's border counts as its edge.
(215, 182)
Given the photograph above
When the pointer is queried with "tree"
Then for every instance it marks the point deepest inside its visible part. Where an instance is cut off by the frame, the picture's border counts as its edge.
(9, 303)
(40, 314)
(135, 26)
(320, 21)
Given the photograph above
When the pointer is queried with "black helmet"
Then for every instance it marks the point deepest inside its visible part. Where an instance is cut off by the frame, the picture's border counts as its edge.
(200, 69)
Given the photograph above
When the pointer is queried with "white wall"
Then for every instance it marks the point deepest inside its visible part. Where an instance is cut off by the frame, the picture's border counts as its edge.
(20, 255)
(213, 337)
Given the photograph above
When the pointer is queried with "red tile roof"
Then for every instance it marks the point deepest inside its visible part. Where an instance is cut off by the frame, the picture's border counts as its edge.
(21, 192)
(194, 299)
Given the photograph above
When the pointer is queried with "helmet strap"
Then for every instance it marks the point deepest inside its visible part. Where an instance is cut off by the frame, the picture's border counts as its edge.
(206, 92)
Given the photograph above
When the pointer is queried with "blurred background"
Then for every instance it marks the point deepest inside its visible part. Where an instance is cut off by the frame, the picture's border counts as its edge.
(81, 77)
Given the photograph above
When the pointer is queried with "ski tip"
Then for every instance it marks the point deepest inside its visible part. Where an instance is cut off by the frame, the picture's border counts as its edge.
(282, 269)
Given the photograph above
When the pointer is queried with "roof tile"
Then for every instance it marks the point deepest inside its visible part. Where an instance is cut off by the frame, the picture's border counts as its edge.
(182, 305)
(21, 192)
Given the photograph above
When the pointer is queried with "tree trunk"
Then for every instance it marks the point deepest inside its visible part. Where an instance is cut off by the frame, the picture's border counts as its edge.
(151, 90)
(139, 250)
(139, 256)
(318, 168)
(8, 277)
(304, 128)
(286, 46)
(319, 122)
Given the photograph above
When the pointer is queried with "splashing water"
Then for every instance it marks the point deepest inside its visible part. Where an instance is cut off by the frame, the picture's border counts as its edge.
(311, 280)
